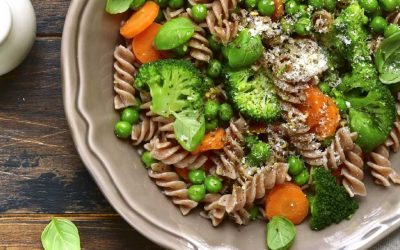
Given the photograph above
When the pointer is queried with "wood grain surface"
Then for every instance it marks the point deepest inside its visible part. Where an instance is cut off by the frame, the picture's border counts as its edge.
(41, 174)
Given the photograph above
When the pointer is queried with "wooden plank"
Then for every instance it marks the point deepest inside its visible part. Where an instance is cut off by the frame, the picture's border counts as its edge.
(50, 15)
(40, 170)
(98, 232)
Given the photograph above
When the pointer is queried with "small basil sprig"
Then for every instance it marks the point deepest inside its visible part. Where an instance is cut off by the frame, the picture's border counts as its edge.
(174, 33)
(189, 128)
(117, 6)
(280, 233)
(244, 50)
(387, 59)
(60, 234)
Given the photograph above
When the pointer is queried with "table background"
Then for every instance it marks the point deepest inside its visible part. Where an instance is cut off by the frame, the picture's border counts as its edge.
(41, 174)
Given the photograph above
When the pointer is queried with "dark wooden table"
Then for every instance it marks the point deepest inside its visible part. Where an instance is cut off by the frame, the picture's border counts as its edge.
(41, 174)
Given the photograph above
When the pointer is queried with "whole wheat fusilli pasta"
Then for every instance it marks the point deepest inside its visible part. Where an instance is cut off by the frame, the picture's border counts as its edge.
(394, 137)
(219, 21)
(213, 210)
(381, 168)
(394, 17)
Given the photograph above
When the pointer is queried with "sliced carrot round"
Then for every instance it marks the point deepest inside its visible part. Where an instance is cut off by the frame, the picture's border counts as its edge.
(142, 45)
(140, 20)
(289, 201)
(212, 141)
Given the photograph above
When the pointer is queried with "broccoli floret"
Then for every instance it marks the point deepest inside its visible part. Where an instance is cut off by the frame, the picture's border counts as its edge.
(174, 85)
(331, 203)
(253, 95)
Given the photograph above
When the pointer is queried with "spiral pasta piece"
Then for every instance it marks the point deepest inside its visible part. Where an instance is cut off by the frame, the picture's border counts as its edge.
(172, 186)
(322, 21)
(381, 168)
(124, 77)
(218, 20)
(213, 210)
(198, 46)
(394, 137)
(353, 173)
(229, 160)
(171, 153)
(343, 142)
(144, 131)
(394, 17)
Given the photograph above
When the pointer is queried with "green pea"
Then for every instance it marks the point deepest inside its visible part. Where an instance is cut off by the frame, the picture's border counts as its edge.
(175, 4)
(378, 24)
(388, 5)
(250, 141)
(316, 4)
(287, 26)
(260, 152)
(136, 4)
(208, 81)
(211, 109)
(303, 26)
(123, 129)
(211, 125)
(330, 5)
(250, 4)
(197, 176)
(130, 115)
(253, 212)
(303, 178)
(213, 184)
(369, 6)
(365, 19)
(325, 88)
(199, 12)
(296, 165)
(304, 11)
(160, 16)
(214, 44)
(341, 104)
(266, 7)
(147, 159)
(391, 29)
(181, 50)
(162, 3)
(214, 68)
(291, 7)
(196, 192)
(225, 112)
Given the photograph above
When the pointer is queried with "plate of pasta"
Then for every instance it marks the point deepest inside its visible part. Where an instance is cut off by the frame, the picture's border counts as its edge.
(254, 124)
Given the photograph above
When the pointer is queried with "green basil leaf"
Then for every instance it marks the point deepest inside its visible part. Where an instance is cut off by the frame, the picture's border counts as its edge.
(189, 127)
(117, 6)
(244, 50)
(174, 33)
(387, 59)
(60, 234)
(280, 233)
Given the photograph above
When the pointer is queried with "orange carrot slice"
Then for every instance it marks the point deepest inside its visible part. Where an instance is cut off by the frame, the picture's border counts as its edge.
(279, 9)
(140, 20)
(142, 45)
(287, 200)
(211, 141)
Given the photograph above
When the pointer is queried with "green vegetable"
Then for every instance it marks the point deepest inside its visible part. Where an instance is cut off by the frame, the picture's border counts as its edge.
(316, 4)
(123, 129)
(296, 165)
(250, 4)
(325, 88)
(250, 140)
(147, 159)
(160, 16)
(199, 12)
(304, 11)
(266, 7)
(303, 26)
(175, 4)
(303, 178)
(196, 192)
(244, 50)
(130, 115)
(136, 4)
(369, 6)
(259, 154)
(253, 95)
(214, 68)
(390, 30)
(253, 212)
(214, 44)
(181, 50)
(387, 59)
(330, 5)
(378, 24)
(177, 89)
(211, 125)
(174, 33)
(330, 203)
(388, 5)
(225, 112)
(60, 234)
(213, 184)
(161, 3)
(211, 109)
(341, 104)
(287, 25)
(117, 6)
(197, 176)
(291, 7)
(280, 233)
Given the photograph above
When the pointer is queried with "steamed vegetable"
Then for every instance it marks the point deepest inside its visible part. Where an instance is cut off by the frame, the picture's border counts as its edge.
(142, 45)
(280, 233)
(117, 6)
(387, 59)
(174, 33)
(331, 203)
(213, 140)
(253, 95)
